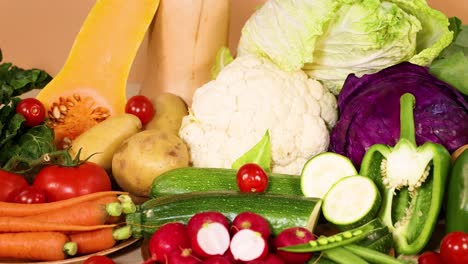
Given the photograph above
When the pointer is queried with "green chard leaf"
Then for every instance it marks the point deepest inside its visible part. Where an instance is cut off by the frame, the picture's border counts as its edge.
(451, 66)
(259, 154)
(30, 145)
(18, 142)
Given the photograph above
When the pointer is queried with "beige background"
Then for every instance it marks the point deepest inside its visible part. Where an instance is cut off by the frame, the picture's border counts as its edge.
(39, 33)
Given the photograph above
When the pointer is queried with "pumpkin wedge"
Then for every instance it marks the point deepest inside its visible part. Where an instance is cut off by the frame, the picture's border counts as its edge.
(91, 86)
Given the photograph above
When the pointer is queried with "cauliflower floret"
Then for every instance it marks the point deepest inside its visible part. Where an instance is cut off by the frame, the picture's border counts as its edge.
(251, 95)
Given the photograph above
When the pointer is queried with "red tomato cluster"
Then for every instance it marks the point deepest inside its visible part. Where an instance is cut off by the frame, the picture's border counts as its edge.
(54, 183)
(453, 250)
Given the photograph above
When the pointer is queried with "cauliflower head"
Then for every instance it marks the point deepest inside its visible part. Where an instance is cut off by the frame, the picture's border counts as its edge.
(251, 95)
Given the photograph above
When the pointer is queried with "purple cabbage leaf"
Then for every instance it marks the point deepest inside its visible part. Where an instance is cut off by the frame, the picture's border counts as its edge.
(369, 111)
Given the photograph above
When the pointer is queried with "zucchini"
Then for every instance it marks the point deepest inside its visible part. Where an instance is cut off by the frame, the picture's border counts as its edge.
(281, 211)
(322, 171)
(351, 202)
(191, 179)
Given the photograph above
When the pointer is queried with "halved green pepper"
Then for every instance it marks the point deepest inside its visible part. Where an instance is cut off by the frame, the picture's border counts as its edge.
(411, 180)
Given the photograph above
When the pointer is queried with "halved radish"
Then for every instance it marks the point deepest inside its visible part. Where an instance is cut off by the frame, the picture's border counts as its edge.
(182, 256)
(169, 238)
(217, 260)
(199, 219)
(293, 236)
(269, 259)
(209, 233)
(247, 245)
(211, 239)
(253, 221)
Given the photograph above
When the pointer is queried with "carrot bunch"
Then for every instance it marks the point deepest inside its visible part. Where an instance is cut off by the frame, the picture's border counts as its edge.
(57, 230)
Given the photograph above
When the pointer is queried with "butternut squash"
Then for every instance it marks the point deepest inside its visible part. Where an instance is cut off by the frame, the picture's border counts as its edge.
(182, 46)
(91, 86)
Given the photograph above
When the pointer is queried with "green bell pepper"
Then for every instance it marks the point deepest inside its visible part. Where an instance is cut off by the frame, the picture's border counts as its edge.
(411, 180)
(456, 218)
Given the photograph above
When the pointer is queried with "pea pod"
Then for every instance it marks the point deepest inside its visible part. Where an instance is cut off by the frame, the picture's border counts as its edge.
(341, 239)
(457, 195)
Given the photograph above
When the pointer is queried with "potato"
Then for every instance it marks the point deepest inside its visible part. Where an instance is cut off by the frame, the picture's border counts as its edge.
(104, 138)
(170, 109)
(146, 155)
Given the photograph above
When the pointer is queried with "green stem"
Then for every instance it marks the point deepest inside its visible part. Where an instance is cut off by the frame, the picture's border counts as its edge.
(372, 255)
(114, 209)
(70, 248)
(407, 102)
(122, 233)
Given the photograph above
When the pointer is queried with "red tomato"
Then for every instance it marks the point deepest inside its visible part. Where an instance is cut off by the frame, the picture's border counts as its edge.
(454, 248)
(10, 183)
(140, 106)
(251, 178)
(60, 182)
(430, 257)
(32, 110)
(98, 260)
(30, 195)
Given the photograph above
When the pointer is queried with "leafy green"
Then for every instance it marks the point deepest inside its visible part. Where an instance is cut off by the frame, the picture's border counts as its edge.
(259, 154)
(15, 81)
(16, 140)
(223, 58)
(329, 39)
(451, 66)
(27, 146)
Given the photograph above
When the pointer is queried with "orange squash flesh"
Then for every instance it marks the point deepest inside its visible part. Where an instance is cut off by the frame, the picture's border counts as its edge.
(92, 83)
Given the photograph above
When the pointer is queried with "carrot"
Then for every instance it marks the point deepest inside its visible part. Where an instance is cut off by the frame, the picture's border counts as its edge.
(86, 213)
(45, 246)
(23, 224)
(18, 209)
(94, 241)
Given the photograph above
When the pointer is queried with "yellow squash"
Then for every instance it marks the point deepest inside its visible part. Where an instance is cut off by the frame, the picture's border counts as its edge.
(91, 86)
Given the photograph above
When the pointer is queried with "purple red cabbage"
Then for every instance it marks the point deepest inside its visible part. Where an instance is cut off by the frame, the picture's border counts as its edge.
(369, 111)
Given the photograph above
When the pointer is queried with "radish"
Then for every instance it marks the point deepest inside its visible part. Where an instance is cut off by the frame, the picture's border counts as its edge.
(167, 239)
(270, 259)
(217, 260)
(199, 219)
(209, 233)
(293, 236)
(253, 221)
(182, 256)
(247, 245)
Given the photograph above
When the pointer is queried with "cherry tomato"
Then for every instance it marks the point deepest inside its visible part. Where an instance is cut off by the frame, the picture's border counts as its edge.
(32, 110)
(98, 260)
(251, 178)
(30, 195)
(10, 183)
(60, 182)
(141, 107)
(430, 257)
(454, 248)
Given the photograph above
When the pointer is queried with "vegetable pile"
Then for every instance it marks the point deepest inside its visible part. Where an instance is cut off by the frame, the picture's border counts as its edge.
(338, 135)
